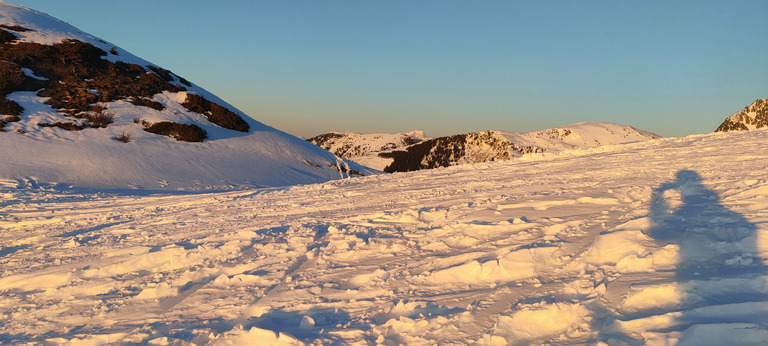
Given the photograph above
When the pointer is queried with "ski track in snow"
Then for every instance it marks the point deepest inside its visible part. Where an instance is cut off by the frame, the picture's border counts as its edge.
(547, 248)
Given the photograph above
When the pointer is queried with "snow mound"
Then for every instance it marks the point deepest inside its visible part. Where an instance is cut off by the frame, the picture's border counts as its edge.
(102, 140)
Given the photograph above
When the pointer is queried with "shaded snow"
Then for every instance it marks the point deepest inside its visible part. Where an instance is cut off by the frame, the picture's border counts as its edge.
(658, 242)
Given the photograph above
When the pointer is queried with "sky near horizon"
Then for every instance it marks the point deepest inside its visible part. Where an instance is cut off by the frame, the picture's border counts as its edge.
(447, 67)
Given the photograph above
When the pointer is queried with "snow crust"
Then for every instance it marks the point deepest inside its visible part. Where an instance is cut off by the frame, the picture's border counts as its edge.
(656, 242)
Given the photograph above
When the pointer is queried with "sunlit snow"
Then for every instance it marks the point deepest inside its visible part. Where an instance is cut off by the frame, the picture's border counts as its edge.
(656, 242)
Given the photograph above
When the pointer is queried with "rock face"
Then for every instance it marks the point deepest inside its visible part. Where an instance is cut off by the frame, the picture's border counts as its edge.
(450, 150)
(752, 117)
(497, 145)
(365, 148)
(78, 110)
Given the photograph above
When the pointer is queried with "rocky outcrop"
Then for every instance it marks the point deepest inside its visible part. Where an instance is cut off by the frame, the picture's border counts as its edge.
(752, 117)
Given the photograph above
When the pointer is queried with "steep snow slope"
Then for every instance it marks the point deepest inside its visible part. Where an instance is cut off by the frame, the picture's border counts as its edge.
(656, 242)
(364, 148)
(752, 117)
(249, 154)
(497, 145)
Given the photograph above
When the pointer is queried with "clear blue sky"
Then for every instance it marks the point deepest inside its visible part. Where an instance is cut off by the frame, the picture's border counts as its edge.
(446, 67)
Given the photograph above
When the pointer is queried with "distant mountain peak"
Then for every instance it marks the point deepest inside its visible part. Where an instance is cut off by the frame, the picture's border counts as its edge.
(752, 117)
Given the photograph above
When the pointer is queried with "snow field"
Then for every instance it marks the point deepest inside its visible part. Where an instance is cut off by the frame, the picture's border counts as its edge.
(556, 248)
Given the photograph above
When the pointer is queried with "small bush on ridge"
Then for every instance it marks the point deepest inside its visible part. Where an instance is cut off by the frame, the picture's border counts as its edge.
(125, 137)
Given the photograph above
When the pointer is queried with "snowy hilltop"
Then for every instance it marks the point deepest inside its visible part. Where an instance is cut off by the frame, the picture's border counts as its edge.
(752, 117)
(77, 110)
(413, 151)
(365, 148)
(659, 242)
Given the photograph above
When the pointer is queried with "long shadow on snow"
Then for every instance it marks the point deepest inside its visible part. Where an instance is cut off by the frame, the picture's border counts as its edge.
(715, 243)
(290, 322)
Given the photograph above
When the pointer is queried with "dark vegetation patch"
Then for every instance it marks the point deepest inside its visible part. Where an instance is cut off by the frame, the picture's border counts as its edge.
(163, 73)
(143, 101)
(6, 37)
(77, 78)
(69, 126)
(215, 113)
(16, 28)
(10, 107)
(12, 78)
(184, 81)
(181, 132)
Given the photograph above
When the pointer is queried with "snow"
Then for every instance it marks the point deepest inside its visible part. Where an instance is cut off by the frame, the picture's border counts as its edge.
(659, 242)
(579, 135)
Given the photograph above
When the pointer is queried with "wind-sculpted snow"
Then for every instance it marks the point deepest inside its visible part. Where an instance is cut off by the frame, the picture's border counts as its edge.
(657, 242)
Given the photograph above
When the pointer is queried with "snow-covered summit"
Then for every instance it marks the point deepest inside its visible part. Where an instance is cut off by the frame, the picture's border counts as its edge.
(78, 110)
(751, 117)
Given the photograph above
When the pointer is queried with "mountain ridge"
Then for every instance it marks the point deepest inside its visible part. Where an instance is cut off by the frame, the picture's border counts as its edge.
(475, 147)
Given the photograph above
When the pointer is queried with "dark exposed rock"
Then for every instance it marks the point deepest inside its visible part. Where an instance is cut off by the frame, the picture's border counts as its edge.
(447, 151)
(752, 116)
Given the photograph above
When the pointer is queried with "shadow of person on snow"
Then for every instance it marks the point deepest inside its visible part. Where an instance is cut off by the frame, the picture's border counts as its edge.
(718, 271)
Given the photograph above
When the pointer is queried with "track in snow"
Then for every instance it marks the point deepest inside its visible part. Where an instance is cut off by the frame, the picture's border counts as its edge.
(548, 248)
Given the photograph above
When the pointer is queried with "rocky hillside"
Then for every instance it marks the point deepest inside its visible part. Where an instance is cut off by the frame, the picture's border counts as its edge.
(496, 145)
(365, 148)
(76, 109)
(752, 117)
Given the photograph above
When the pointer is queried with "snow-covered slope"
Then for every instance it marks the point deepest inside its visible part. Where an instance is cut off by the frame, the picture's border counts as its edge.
(365, 148)
(498, 145)
(658, 242)
(77, 98)
(752, 117)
